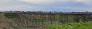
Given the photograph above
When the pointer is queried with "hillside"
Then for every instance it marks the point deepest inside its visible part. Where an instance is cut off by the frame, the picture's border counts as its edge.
(36, 20)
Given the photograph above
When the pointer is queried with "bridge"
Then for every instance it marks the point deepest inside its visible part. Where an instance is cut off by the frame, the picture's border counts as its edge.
(76, 13)
(40, 19)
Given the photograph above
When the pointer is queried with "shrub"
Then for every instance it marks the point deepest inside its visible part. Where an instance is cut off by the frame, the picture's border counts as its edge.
(56, 26)
(80, 25)
(9, 15)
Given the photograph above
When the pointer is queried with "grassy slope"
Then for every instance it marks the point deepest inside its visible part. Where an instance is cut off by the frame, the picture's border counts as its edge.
(80, 25)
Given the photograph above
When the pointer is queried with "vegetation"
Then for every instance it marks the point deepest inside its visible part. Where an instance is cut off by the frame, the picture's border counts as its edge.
(56, 26)
(9, 15)
(80, 25)
(53, 21)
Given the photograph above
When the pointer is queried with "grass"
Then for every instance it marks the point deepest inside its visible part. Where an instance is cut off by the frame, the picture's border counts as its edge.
(54, 26)
(80, 25)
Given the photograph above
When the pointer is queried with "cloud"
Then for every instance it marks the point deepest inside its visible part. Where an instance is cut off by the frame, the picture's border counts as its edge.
(83, 1)
(39, 1)
(53, 1)
(46, 5)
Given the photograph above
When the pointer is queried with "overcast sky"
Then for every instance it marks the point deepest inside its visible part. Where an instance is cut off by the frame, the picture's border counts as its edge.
(46, 5)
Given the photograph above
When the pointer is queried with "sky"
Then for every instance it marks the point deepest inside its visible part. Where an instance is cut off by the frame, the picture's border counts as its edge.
(46, 5)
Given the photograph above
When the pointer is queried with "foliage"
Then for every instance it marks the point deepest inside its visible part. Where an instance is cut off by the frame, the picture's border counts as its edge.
(9, 15)
(55, 26)
(66, 19)
(37, 20)
(80, 25)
